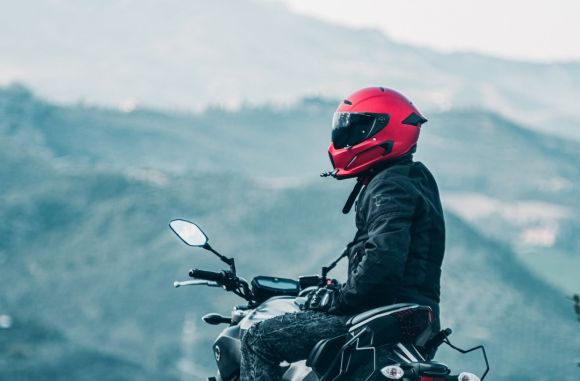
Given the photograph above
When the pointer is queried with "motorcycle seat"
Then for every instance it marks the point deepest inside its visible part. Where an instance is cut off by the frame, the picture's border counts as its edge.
(397, 323)
(378, 312)
(406, 322)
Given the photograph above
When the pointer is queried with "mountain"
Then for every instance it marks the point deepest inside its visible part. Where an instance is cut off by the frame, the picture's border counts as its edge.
(483, 282)
(87, 259)
(190, 54)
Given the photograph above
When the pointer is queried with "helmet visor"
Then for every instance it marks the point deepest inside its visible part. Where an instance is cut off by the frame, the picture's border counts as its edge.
(350, 128)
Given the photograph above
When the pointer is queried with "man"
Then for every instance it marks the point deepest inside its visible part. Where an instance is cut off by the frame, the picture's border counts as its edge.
(396, 254)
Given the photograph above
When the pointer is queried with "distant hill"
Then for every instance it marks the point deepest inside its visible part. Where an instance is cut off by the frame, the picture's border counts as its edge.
(86, 254)
(471, 150)
(514, 184)
(31, 351)
(190, 54)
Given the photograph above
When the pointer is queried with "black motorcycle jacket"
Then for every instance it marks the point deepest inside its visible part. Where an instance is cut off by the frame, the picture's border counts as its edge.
(398, 248)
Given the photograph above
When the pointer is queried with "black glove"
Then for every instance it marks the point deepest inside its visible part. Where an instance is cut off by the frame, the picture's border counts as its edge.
(333, 284)
(321, 300)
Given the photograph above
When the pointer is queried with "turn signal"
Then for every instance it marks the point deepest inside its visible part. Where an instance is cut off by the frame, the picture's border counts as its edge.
(466, 376)
(394, 372)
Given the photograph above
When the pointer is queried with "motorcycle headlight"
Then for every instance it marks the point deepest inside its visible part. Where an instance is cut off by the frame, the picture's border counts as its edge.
(394, 372)
(466, 376)
(217, 353)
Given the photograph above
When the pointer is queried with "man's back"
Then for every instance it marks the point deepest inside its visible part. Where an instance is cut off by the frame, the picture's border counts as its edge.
(398, 249)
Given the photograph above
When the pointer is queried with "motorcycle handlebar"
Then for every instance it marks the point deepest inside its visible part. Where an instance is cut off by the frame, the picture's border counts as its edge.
(207, 275)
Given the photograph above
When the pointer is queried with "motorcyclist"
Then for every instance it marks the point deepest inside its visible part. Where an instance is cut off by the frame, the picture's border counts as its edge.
(398, 248)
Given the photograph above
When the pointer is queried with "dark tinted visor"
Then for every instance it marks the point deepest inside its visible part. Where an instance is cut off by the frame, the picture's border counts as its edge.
(350, 128)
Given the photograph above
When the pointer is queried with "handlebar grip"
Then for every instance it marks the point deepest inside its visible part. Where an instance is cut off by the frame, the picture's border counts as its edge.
(207, 275)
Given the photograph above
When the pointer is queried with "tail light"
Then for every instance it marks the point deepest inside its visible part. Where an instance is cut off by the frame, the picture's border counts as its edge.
(393, 372)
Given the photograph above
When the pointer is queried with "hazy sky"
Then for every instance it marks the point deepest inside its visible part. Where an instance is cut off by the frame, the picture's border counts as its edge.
(520, 29)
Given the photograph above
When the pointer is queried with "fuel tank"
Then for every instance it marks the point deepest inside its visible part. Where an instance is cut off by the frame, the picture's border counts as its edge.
(278, 305)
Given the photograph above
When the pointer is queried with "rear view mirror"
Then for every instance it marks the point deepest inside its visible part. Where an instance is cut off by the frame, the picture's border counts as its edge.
(189, 233)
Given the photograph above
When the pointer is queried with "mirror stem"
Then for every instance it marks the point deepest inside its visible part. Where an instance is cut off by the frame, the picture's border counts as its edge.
(229, 261)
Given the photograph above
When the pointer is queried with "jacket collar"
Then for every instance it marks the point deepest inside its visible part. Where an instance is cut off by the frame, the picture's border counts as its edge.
(375, 170)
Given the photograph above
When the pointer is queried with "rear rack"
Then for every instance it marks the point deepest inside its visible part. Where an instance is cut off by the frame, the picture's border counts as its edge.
(464, 351)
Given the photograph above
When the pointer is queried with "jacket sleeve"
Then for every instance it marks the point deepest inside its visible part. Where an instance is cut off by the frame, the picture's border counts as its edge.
(389, 215)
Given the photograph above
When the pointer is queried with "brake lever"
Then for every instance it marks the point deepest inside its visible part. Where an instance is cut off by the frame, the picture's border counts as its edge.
(177, 284)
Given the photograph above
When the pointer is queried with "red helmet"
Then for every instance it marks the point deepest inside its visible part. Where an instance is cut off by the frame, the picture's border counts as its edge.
(372, 125)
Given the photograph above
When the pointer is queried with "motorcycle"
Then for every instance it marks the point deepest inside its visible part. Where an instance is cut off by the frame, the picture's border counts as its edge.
(393, 342)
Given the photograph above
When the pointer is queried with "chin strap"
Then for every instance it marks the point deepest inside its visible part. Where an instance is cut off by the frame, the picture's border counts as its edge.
(360, 182)
(329, 173)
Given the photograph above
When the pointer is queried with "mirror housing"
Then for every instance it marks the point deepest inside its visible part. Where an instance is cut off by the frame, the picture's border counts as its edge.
(192, 235)
(189, 233)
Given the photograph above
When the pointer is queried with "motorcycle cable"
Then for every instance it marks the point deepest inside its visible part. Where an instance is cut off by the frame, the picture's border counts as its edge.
(238, 286)
(343, 254)
(326, 269)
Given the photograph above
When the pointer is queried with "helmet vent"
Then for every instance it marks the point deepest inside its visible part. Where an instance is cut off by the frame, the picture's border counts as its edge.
(382, 89)
(414, 119)
(387, 146)
(346, 101)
